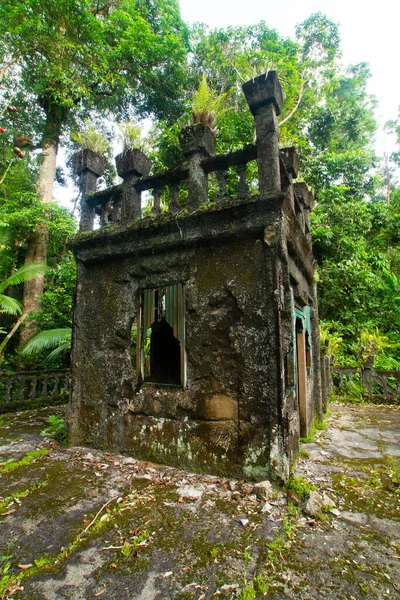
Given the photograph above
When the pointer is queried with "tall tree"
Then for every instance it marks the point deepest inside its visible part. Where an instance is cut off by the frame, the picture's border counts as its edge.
(231, 56)
(85, 54)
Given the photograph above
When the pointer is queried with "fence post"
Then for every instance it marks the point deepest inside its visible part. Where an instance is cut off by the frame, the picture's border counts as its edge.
(88, 166)
(131, 165)
(197, 141)
(366, 380)
(264, 96)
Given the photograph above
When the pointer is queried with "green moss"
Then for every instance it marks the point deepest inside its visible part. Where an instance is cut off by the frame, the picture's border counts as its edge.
(317, 425)
(11, 465)
(299, 486)
(5, 502)
(304, 453)
(40, 402)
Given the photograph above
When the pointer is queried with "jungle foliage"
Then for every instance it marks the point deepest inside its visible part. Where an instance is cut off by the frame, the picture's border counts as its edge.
(122, 57)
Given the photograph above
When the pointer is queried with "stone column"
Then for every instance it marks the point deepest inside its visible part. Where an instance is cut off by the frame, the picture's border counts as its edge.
(197, 141)
(306, 200)
(265, 99)
(289, 170)
(88, 166)
(131, 165)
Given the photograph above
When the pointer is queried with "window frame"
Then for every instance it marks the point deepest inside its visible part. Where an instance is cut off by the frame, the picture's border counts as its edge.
(179, 307)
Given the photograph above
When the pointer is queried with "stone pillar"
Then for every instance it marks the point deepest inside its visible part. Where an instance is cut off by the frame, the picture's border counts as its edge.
(131, 165)
(265, 99)
(88, 166)
(289, 169)
(197, 141)
(366, 380)
(306, 200)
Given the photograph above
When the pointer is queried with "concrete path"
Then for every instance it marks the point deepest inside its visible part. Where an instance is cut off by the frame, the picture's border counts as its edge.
(78, 524)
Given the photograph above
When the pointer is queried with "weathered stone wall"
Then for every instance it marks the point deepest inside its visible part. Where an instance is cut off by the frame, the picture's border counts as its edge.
(247, 269)
(222, 421)
(234, 415)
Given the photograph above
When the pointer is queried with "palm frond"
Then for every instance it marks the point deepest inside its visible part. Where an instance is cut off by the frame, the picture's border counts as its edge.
(63, 348)
(24, 273)
(45, 340)
(9, 305)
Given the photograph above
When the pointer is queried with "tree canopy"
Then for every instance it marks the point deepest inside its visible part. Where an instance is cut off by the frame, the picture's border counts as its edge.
(80, 55)
(63, 62)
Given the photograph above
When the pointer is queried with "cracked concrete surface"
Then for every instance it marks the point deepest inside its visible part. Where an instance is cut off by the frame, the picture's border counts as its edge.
(203, 537)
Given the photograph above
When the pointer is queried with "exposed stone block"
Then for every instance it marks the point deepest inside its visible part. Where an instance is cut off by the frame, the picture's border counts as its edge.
(263, 90)
(197, 138)
(133, 162)
(218, 407)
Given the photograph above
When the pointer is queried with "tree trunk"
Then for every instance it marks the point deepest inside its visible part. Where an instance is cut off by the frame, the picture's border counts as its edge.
(10, 334)
(37, 244)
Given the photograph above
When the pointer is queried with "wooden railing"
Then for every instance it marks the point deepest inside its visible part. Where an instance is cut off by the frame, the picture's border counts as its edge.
(28, 386)
(373, 383)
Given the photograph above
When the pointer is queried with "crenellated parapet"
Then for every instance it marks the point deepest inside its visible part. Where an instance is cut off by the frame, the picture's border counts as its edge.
(183, 190)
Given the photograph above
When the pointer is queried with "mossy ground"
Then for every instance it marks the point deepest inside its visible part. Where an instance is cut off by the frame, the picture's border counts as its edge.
(93, 523)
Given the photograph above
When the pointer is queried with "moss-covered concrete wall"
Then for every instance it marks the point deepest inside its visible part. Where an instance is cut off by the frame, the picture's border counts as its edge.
(234, 415)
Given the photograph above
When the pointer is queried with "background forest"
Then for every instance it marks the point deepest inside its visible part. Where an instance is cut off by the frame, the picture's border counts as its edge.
(86, 72)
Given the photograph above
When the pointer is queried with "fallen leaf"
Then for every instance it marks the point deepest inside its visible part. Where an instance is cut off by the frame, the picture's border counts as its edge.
(100, 593)
(9, 512)
(228, 587)
(25, 567)
(14, 588)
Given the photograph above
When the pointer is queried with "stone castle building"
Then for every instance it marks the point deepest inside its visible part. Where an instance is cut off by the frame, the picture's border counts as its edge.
(195, 338)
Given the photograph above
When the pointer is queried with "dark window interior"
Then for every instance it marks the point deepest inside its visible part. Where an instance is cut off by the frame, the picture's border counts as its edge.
(163, 334)
(308, 351)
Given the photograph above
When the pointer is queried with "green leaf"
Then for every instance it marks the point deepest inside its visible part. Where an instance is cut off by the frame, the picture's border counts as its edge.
(9, 305)
(46, 340)
(24, 273)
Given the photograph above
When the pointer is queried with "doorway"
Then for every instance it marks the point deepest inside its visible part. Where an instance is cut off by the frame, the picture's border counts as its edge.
(301, 383)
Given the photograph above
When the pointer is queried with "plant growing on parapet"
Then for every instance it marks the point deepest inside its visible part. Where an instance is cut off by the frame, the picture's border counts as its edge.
(208, 106)
(131, 135)
(371, 344)
(88, 138)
